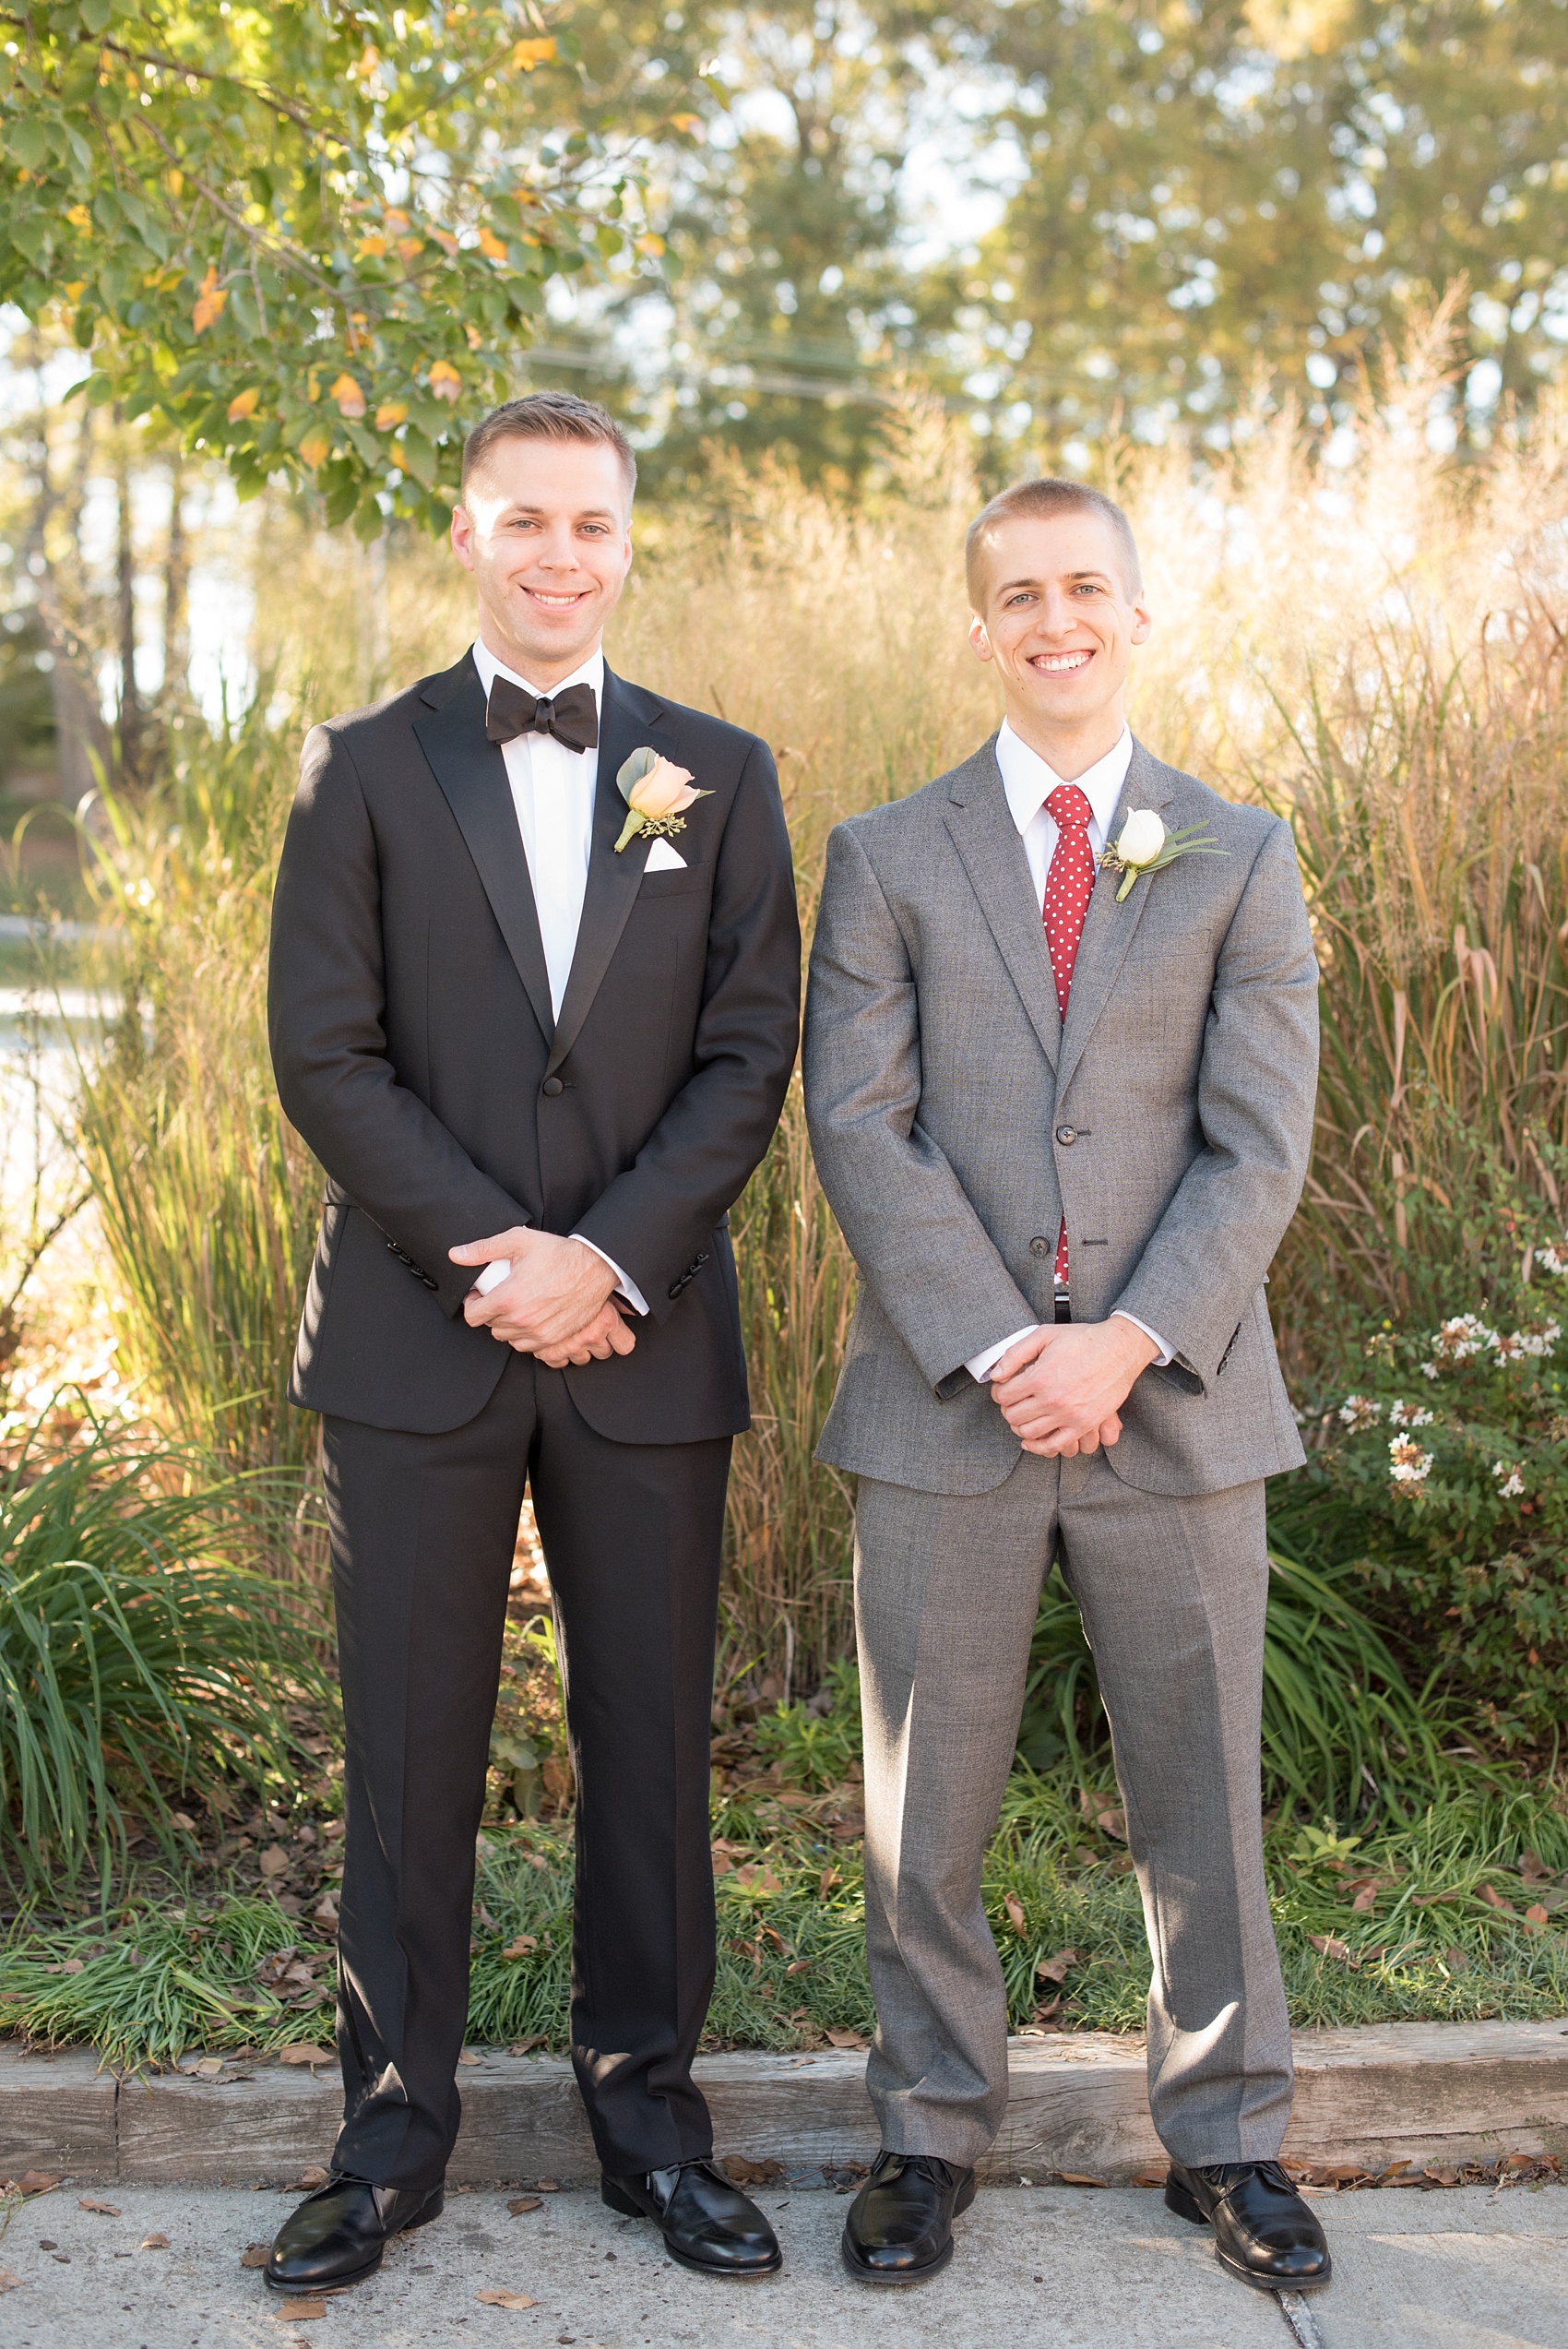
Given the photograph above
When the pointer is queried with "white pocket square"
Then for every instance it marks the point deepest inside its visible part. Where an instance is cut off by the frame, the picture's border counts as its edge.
(662, 858)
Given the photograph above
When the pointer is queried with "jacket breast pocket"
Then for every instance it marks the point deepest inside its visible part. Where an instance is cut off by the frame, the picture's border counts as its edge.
(682, 884)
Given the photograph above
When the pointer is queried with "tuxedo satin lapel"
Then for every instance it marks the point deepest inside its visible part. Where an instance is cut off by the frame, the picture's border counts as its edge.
(1109, 928)
(472, 774)
(625, 724)
(986, 838)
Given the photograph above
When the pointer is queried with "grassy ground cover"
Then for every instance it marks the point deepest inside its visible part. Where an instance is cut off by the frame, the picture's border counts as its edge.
(1459, 1913)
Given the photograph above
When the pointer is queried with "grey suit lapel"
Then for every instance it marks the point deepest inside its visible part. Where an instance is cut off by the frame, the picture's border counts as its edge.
(612, 881)
(1109, 928)
(986, 838)
(472, 774)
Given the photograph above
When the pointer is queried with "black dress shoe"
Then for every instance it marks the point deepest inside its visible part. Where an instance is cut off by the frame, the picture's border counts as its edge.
(338, 2234)
(899, 2229)
(1264, 2233)
(707, 2224)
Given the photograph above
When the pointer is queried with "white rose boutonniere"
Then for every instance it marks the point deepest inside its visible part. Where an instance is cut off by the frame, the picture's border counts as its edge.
(1145, 846)
(657, 793)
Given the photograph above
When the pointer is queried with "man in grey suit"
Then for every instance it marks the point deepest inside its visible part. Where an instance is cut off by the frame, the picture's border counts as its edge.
(1062, 1110)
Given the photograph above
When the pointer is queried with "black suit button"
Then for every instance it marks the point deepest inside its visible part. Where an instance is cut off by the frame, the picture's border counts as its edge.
(552, 1085)
(1066, 1136)
(1039, 1247)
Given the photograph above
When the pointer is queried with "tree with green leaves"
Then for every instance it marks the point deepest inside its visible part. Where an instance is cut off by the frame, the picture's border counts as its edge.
(313, 239)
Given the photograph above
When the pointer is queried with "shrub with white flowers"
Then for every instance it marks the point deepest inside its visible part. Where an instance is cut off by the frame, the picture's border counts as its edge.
(1459, 1504)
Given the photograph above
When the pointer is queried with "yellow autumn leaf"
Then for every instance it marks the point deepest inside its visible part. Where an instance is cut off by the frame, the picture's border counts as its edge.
(390, 414)
(371, 247)
(445, 381)
(409, 247)
(76, 290)
(79, 216)
(529, 53)
(313, 448)
(350, 398)
(490, 244)
(210, 302)
(173, 181)
(691, 124)
(244, 404)
(650, 244)
(396, 219)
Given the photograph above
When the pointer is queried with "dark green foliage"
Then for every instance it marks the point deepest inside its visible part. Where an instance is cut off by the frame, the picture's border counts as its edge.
(140, 1656)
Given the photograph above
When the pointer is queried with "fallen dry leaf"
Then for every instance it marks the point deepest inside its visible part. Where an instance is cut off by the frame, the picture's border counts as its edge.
(274, 1861)
(746, 2173)
(1078, 2178)
(521, 1947)
(1532, 1868)
(1016, 1916)
(1331, 1946)
(526, 2046)
(1152, 2177)
(299, 2051)
(9, 2280)
(1365, 1898)
(301, 2311)
(841, 2038)
(313, 2177)
(209, 2067)
(505, 2299)
(1456, 1961)
(757, 1877)
(106, 2210)
(155, 2243)
(521, 2203)
(1494, 1899)
(1536, 1918)
(36, 2182)
(467, 2056)
(1445, 2177)
(1113, 1823)
(185, 1820)
(1058, 1968)
(723, 1864)
(255, 2255)
(547, 2186)
(1048, 2012)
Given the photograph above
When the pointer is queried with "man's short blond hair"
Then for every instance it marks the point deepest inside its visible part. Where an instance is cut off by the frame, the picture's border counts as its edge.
(549, 416)
(1039, 499)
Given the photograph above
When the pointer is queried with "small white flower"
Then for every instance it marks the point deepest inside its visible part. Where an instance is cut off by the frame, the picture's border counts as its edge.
(1408, 1463)
(1142, 838)
(1429, 1370)
(1359, 1411)
(1403, 1414)
(1510, 1483)
(1465, 1335)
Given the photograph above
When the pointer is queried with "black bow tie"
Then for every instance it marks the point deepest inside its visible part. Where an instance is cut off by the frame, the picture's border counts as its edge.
(571, 717)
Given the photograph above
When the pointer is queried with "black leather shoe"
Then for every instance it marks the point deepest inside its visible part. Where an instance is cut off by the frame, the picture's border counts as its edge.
(707, 2224)
(338, 2234)
(1264, 2233)
(899, 2229)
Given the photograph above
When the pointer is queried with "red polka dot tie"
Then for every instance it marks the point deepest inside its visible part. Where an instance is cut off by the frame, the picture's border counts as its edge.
(1069, 885)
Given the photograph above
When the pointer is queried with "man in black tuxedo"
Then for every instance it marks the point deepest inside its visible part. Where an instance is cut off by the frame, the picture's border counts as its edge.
(527, 1053)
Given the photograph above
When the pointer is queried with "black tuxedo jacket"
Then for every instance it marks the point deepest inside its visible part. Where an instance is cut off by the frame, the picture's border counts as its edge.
(415, 1051)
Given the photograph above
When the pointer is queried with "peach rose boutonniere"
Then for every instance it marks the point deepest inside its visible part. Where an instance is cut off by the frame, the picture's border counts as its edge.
(657, 793)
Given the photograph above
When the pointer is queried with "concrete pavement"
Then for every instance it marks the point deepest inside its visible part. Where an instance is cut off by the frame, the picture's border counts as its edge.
(1054, 2268)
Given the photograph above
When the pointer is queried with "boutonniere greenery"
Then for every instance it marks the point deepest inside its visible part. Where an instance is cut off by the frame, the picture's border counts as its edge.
(1145, 846)
(657, 793)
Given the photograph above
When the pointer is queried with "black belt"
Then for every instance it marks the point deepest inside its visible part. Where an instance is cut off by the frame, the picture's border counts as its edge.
(1063, 1305)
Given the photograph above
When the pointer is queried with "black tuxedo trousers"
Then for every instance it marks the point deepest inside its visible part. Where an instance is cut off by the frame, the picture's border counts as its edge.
(423, 1535)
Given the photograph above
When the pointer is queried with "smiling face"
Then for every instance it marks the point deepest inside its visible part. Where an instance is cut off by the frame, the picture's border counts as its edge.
(1058, 617)
(545, 528)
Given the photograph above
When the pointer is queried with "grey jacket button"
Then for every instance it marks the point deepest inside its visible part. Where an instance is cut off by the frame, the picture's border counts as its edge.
(552, 1085)
(1066, 1135)
(1039, 1247)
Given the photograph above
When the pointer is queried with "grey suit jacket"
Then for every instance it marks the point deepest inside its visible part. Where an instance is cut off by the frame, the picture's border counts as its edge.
(955, 1120)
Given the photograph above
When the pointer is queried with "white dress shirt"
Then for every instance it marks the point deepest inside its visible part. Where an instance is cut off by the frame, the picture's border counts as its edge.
(552, 791)
(1028, 782)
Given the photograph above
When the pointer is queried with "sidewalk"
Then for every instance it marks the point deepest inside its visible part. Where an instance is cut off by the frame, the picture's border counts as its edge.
(1037, 2269)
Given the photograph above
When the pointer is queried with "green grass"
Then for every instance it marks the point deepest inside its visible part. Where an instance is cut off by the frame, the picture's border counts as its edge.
(142, 1652)
(162, 1978)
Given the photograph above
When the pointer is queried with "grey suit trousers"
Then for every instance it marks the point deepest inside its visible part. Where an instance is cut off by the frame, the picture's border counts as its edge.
(1173, 1592)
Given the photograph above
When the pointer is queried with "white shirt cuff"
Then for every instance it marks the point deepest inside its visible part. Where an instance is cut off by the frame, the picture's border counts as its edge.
(1164, 1356)
(981, 1366)
(625, 1285)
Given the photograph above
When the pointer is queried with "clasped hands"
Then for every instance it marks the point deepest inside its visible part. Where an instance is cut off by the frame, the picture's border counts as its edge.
(1060, 1389)
(558, 1301)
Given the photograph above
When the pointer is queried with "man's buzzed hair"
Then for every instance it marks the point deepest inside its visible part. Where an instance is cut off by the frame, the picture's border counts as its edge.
(1050, 495)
